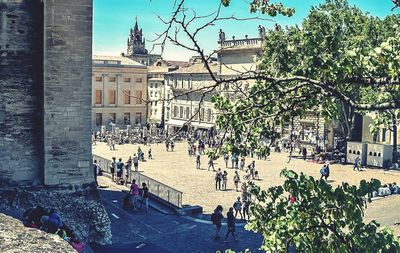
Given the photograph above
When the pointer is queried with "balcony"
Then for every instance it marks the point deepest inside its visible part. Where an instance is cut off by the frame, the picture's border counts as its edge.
(246, 43)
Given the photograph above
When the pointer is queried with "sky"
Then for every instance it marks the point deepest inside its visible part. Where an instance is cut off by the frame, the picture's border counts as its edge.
(113, 19)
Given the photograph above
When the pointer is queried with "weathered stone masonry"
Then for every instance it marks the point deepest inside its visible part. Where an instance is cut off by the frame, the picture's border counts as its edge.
(45, 91)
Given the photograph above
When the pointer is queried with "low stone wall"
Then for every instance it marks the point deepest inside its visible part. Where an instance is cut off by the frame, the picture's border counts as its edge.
(81, 209)
(16, 238)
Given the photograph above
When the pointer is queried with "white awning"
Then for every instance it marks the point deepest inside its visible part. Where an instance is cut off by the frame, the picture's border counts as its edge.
(180, 123)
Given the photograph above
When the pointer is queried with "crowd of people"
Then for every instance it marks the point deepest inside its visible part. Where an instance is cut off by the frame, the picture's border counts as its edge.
(387, 190)
(50, 221)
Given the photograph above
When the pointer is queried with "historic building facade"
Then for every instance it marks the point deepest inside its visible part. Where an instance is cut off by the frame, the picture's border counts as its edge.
(189, 109)
(119, 92)
(136, 47)
(237, 56)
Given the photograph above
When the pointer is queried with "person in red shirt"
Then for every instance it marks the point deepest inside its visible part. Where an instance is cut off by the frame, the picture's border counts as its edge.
(135, 193)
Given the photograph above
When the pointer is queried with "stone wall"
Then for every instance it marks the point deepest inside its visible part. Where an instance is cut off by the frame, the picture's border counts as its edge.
(15, 238)
(67, 91)
(45, 91)
(21, 89)
(81, 209)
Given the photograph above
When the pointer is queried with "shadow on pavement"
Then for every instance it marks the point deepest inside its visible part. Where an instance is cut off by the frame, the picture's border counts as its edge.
(128, 248)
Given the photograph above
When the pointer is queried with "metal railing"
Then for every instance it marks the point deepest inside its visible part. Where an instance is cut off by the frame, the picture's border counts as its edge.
(162, 191)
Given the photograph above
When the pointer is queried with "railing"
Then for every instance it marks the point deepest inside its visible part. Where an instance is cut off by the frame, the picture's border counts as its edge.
(241, 42)
(163, 191)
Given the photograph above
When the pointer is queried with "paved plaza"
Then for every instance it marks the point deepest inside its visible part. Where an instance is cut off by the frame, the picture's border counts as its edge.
(178, 170)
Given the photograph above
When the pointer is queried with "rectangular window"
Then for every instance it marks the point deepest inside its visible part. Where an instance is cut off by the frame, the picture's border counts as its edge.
(99, 78)
(99, 119)
(156, 85)
(139, 80)
(155, 103)
(181, 112)
(155, 112)
(202, 114)
(209, 115)
(138, 97)
(111, 79)
(138, 118)
(151, 85)
(127, 79)
(187, 112)
(127, 97)
(99, 97)
(175, 113)
(383, 134)
(127, 118)
(111, 97)
(113, 117)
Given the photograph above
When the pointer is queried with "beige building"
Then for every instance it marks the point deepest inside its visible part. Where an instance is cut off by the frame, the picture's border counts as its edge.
(119, 87)
(238, 56)
(185, 109)
(159, 94)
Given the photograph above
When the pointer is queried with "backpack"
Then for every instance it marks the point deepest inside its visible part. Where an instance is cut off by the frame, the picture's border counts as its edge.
(323, 171)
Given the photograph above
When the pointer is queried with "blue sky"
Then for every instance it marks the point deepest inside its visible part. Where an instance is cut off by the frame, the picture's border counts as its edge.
(114, 18)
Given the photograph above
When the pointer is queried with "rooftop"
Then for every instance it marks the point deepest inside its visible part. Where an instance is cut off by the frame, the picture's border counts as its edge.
(116, 61)
(196, 68)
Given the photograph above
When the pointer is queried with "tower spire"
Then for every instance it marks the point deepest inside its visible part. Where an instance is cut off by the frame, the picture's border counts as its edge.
(136, 25)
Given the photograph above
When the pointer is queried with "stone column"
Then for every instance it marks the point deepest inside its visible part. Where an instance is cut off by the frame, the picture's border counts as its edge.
(67, 91)
(21, 91)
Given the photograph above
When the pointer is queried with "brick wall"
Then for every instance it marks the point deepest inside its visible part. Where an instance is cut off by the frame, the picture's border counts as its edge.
(21, 88)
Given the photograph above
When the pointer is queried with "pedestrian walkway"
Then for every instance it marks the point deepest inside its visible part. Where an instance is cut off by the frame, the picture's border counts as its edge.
(170, 232)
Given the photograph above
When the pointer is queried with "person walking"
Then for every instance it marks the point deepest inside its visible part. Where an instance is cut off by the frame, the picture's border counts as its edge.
(216, 218)
(96, 169)
(238, 207)
(145, 197)
(211, 164)
(246, 205)
(233, 160)
(127, 173)
(135, 161)
(304, 151)
(242, 163)
(120, 167)
(167, 145)
(172, 145)
(150, 155)
(198, 162)
(113, 164)
(236, 180)
(218, 179)
(357, 163)
(231, 225)
(135, 193)
(226, 159)
(224, 180)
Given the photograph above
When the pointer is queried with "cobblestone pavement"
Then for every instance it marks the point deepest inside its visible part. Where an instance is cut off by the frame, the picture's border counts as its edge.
(171, 232)
(177, 170)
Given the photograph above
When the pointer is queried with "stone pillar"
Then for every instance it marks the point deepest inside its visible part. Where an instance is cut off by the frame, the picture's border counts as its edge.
(128, 129)
(67, 91)
(113, 128)
(21, 90)
(117, 132)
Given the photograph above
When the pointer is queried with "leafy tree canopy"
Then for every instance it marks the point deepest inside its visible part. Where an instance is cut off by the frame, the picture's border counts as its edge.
(322, 219)
(338, 56)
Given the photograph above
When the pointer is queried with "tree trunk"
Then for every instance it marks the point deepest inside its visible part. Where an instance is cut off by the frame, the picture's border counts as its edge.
(394, 127)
